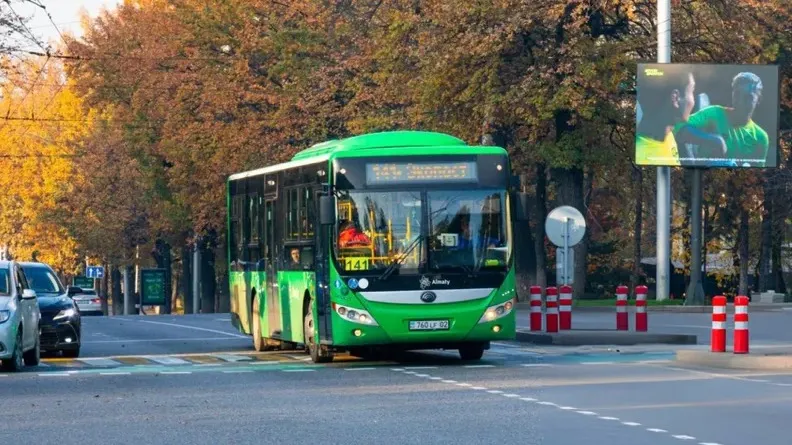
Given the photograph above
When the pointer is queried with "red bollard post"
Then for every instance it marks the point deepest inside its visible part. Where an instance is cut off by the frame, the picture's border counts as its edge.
(565, 308)
(641, 317)
(622, 322)
(741, 324)
(551, 303)
(536, 308)
(718, 336)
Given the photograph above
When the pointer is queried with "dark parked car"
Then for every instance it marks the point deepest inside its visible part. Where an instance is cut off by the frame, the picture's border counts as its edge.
(61, 325)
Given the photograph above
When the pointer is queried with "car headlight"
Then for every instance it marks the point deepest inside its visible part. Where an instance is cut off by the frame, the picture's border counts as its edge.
(66, 313)
(354, 315)
(497, 311)
(4, 316)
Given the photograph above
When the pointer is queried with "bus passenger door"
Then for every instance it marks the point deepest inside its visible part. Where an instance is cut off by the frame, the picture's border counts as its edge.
(271, 303)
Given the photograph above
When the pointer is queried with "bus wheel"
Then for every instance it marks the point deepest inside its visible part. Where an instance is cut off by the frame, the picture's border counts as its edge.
(317, 353)
(259, 343)
(471, 352)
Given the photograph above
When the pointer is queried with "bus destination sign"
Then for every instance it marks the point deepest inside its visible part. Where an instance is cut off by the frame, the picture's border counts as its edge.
(394, 172)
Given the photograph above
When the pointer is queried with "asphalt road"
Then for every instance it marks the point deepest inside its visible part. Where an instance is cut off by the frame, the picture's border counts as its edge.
(160, 334)
(517, 398)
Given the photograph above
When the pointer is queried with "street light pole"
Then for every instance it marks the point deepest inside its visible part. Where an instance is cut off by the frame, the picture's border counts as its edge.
(663, 173)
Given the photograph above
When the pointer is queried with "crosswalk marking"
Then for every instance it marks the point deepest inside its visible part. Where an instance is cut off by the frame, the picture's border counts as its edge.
(233, 358)
(169, 360)
(99, 361)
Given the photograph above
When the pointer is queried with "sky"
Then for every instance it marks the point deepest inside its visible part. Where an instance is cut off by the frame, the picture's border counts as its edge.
(65, 14)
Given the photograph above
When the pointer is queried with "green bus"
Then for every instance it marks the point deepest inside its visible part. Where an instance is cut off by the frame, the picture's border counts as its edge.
(392, 240)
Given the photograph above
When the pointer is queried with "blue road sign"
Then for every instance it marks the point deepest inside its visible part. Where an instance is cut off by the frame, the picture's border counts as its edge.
(94, 272)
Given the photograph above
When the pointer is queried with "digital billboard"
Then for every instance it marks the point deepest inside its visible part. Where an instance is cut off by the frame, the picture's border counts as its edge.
(707, 115)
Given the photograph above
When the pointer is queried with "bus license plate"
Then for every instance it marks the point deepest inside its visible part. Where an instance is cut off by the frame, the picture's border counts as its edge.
(428, 325)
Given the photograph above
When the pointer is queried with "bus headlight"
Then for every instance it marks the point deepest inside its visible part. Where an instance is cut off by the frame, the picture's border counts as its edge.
(497, 311)
(354, 315)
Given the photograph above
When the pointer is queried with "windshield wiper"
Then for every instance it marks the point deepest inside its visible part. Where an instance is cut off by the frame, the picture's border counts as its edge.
(392, 266)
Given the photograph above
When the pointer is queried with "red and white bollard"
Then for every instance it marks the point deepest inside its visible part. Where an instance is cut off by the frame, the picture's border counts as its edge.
(536, 308)
(565, 308)
(718, 336)
(741, 324)
(641, 317)
(551, 303)
(622, 322)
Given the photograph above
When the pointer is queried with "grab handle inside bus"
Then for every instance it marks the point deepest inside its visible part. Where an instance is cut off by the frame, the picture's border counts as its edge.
(327, 208)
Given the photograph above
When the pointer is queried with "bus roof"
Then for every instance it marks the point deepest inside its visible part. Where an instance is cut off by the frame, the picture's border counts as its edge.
(386, 139)
(357, 144)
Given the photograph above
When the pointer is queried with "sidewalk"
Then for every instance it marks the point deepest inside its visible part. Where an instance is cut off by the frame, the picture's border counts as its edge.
(762, 358)
(767, 307)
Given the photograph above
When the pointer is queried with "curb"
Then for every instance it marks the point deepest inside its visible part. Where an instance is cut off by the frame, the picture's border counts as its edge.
(780, 307)
(588, 337)
(727, 360)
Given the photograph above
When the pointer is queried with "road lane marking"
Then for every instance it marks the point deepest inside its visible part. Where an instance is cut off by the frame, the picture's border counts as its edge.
(175, 372)
(420, 367)
(241, 371)
(598, 363)
(215, 331)
(54, 374)
(479, 366)
(115, 373)
(495, 391)
(536, 365)
(359, 369)
(299, 370)
(568, 408)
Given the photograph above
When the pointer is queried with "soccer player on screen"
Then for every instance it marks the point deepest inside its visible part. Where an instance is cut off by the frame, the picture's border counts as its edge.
(667, 100)
(745, 140)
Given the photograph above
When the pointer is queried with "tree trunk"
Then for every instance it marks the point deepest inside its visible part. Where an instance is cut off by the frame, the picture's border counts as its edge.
(208, 275)
(742, 235)
(103, 290)
(541, 215)
(186, 278)
(118, 301)
(635, 277)
(767, 240)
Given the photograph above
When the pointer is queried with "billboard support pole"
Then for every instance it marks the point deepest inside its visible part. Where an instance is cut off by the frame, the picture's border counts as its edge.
(695, 290)
(663, 173)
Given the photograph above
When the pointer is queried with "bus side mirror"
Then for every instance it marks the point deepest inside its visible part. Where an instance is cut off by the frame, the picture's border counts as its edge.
(523, 204)
(327, 210)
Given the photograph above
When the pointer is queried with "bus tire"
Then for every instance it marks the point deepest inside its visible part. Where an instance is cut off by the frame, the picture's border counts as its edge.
(317, 353)
(259, 342)
(473, 351)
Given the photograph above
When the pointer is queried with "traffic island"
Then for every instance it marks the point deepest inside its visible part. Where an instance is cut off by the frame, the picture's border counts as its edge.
(765, 360)
(588, 337)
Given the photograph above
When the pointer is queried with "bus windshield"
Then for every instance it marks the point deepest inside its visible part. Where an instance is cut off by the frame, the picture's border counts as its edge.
(376, 228)
(467, 230)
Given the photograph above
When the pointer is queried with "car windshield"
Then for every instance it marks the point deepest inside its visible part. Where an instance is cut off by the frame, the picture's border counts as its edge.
(376, 228)
(42, 280)
(468, 230)
(5, 282)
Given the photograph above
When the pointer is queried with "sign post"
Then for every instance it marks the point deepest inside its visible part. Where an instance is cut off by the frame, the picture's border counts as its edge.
(565, 227)
(152, 289)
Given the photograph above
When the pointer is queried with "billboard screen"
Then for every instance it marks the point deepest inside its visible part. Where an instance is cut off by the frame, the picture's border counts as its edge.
(702, 115)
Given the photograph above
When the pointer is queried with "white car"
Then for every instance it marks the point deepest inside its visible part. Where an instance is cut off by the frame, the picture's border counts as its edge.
(20, 338)
(87, 301)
